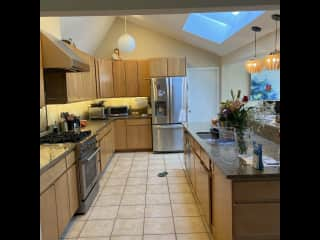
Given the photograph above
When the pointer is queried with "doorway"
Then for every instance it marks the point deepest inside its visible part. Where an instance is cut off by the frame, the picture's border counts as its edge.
(203, 94)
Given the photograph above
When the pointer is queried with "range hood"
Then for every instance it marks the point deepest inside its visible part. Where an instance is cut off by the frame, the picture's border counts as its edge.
(57, 55)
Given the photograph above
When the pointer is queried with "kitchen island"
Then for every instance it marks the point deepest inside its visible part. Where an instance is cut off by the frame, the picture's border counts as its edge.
(236, 200)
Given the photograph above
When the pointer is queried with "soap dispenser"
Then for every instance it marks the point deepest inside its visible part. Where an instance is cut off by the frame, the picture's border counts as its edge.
(257, 162)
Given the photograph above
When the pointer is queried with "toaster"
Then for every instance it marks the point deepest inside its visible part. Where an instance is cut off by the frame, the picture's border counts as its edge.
(97, 113)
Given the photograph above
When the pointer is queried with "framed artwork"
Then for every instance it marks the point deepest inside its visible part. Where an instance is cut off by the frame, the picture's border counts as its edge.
(265, 85)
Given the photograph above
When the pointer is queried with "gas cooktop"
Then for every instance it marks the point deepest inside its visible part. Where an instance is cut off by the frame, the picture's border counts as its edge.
(64, 137)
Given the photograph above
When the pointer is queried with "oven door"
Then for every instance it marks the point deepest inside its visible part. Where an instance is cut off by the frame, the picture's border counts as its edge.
(88, 173)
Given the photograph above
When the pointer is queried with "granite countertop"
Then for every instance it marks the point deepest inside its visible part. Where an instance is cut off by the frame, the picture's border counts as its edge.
(225, 156)
(50, 154)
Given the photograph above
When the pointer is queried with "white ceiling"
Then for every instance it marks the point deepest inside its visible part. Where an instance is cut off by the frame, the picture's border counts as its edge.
(172, 24)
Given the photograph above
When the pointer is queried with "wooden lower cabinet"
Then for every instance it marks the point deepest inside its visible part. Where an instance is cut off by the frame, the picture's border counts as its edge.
(139, 134)
(193, 170)
(62, 202)
(73, 189)
(48, 215)
(106, 149)
(120, 134)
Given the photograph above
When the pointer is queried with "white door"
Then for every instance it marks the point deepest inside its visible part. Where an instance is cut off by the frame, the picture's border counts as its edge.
(203, 94)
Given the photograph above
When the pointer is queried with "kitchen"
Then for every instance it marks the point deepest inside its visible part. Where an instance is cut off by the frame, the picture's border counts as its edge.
(136, 189)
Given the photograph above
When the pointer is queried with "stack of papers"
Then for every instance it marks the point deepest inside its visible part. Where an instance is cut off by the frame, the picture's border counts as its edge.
(267, 161)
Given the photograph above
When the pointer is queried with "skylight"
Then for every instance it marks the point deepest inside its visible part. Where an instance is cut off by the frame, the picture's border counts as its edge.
(218, 26)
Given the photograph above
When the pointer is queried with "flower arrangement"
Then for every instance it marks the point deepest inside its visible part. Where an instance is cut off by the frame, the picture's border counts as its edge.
(234, 113)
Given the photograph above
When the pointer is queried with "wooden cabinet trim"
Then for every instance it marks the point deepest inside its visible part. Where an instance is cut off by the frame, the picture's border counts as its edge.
(51, 175)
(138, 122)
(70, 159)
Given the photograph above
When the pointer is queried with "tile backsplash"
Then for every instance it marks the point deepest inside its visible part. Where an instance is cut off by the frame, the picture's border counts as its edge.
(81, 108)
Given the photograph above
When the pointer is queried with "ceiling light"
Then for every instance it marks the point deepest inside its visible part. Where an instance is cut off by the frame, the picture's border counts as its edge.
(126, 42)
(272, 61)
(254, 64)
(235, 13)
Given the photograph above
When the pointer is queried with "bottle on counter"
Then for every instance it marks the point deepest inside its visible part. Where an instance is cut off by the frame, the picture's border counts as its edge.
(257, 162)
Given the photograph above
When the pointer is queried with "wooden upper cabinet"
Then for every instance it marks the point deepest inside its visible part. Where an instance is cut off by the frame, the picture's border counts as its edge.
(143, 78)
(42, 97)
(104, 78)
(48, 215)
(177, 66)
(158, 67)
(131, 76)
(92, 80)
(119, 79)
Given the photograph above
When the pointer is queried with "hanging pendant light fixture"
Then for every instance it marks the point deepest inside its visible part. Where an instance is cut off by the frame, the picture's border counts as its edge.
(254, 64)
(126, 42)
(272, 61)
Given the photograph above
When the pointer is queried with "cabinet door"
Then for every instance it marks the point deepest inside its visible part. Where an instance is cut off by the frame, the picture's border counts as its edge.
(131, 72)
(62, 201)
(144, 78)
(177, 66)
(42, 98)
(193, 170)
(73, 189)
(106, 145)
(139, 134)
(48, 215)
(92, 79)
(74, 85)
(105, 78)
(158, 67)
(120, 134)
(119, 79)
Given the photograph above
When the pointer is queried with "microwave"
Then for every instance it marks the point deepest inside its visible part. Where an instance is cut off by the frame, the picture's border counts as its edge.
(97, 113)
(118, 111)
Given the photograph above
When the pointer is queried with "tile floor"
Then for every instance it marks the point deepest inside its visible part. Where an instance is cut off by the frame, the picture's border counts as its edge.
(133, 203)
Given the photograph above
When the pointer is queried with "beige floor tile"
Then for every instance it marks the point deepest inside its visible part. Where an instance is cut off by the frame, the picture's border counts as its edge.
(158, 226)
(157, 199)
(185, 210)
(74, 229)
(107, 212)
(120, 169)
(126, 237)
(153, 173)
(176, 173)
(108, 200)
(139, 168)
(141, 159)
(174, 166)
(83, 217)
(159, 237)
(135, 189)
(157, 180)
(136, 211)
(140, 163)
(153, 211)
(126, 155)
(138, 174)
(139, 154)
(97, 228)
(181, 198)
(119, 174)
(159, 167)
(93, 238)
(179, 188)
(157, 189)
(189, 225)
(193, 236)
(116, 182)
(137, 181)
(156, 161)
(128, 227)
(112, 190)
(176, 180)
(133, 199)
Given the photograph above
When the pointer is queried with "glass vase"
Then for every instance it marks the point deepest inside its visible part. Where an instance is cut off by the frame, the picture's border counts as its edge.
(244, 139)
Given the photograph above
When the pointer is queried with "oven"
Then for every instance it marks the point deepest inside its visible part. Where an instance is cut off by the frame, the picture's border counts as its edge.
(88, 174)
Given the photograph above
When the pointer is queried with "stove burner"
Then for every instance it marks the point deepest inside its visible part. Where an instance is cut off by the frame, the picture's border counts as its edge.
(64, 137)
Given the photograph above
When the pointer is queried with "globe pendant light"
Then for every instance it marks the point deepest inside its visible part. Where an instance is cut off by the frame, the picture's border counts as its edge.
(272, 61)
(126, 42)
(254, 64)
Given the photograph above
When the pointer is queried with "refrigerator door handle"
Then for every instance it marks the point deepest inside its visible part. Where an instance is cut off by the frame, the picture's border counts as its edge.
(168, 126)
(168, 107)
(170, 103)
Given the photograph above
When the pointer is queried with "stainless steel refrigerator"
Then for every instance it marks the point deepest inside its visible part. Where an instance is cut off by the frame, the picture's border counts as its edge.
(169, 111)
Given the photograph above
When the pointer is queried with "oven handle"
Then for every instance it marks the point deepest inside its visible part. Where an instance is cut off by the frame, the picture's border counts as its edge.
(93, 154)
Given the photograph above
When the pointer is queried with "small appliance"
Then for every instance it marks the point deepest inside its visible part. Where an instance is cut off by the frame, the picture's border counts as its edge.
(97, 113)
(116, 111)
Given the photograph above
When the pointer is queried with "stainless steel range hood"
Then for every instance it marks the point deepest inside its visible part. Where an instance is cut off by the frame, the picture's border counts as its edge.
(57, 55)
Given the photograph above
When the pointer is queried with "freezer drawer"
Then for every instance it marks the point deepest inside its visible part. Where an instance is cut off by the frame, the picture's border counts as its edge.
(167, 138)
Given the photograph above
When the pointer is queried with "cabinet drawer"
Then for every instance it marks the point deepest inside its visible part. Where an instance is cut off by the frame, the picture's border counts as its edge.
(134, 122)
(47, 178)
(205, 159)
(71, 159)
(103, 131)
(257, 191)
(256, 221)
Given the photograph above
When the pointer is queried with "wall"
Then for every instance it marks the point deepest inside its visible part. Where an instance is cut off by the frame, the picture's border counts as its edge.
(86, 32)
(152, 44)
(51, 25)
(233, 74)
